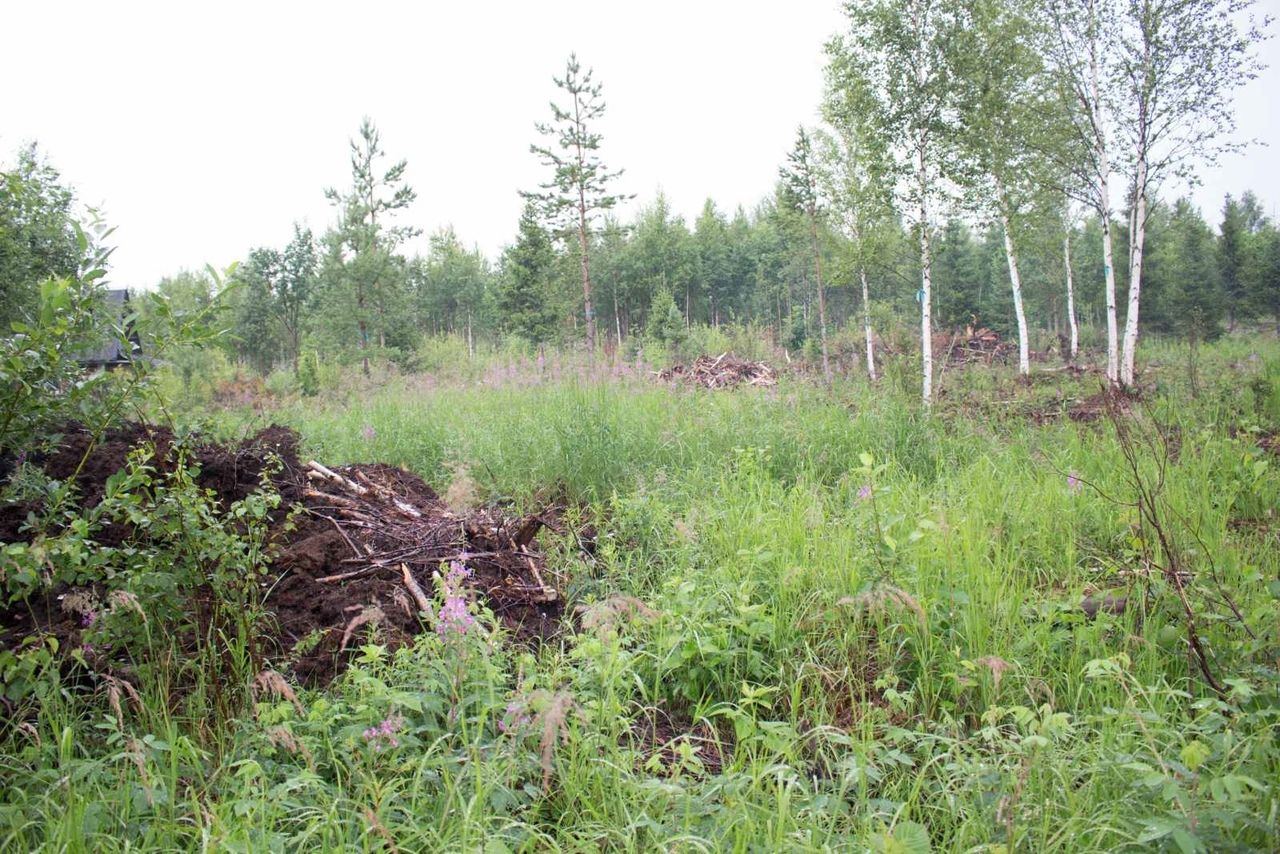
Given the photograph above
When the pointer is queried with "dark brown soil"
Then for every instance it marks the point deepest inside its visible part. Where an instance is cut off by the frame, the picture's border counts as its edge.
(313, 610)
(323, 530)
(1270, 442)
(659, 737)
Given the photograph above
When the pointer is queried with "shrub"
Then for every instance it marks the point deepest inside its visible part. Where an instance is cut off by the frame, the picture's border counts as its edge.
(309, 374)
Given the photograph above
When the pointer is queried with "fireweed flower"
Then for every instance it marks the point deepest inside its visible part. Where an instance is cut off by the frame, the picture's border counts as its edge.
(864, 492)
(454, 619)
(515, 718)
(383, 736)
(1073, 483)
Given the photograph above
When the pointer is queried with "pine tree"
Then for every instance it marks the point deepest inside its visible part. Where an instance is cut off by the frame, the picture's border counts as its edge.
(255, 326)
(579, 187)
(362, 258)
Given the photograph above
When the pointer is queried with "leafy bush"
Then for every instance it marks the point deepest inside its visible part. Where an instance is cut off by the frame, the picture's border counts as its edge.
(309, 373)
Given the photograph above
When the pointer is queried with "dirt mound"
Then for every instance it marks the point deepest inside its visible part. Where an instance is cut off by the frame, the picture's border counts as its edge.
(366, 548)
(723, 371)
(232, 471)
(358, 552)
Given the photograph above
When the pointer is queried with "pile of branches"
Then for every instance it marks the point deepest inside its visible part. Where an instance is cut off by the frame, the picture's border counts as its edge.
(980, 346)
(723, 371)
(391, 532)
(373, 551)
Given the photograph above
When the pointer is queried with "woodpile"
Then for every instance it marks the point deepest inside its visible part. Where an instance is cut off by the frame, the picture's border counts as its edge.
(369, 552)
(981, 346)
(723, 371)
(386, 531)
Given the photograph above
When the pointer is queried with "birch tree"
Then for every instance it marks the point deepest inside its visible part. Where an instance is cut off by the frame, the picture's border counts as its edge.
(1068, 226)
(895, 64)
(1179, 63)
(1079, 45)
(999, 78)
(853, 170)
(578, 190)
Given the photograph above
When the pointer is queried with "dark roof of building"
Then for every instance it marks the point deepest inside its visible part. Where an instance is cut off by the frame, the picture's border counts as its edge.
(116, 352)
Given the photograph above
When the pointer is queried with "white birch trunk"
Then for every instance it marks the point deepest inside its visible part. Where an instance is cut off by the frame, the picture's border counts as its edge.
(926, 279)
(1015, 281)
(866, 324)
(1071, 299)
(1136, 245)
(1104, 210)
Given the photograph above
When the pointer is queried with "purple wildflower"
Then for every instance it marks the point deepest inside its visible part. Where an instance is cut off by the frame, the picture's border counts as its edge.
(21, 459)
(514, 719)
(88, 618)
(454, 619)
(383, 736)
(1073, 483)
(369, 433)
(864, 492)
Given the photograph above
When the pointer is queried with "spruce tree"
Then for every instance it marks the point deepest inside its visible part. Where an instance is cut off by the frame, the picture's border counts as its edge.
(524, 298)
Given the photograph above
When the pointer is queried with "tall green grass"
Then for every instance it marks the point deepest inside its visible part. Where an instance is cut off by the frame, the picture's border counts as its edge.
(875, 607)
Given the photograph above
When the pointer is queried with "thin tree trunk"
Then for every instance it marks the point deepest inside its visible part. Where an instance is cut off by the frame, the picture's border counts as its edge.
(926, 280)
(1015, 280)
(1071, 298)
(1104, 206)
(586, 277)
(363, 329)
(822, 296)
(471, 346)
(1136, 245)
(866, 324)
(617, 320)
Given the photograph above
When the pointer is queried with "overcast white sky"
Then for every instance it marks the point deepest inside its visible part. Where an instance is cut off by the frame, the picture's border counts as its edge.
(206, 129)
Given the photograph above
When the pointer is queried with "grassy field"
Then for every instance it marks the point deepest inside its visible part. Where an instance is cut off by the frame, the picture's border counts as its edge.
(814, 619)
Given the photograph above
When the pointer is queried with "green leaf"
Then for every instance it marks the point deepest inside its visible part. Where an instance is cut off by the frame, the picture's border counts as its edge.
(906, 837)
(1186, 842)
(1194, 754)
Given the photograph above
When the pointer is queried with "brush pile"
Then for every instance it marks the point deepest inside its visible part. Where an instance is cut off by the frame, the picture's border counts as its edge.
(373, 539)
(981, 346)
(723, 371)
(355, 549)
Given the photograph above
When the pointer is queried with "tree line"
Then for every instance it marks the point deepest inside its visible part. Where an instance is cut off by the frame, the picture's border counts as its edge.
(995, 163)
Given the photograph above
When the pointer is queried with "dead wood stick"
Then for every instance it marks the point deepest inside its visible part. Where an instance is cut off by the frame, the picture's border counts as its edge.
(338, 527)
(338, 500)
(548, 592)
(390, 497)
(355, 573)
(416, 557)
(414, 590)
(316, 469)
